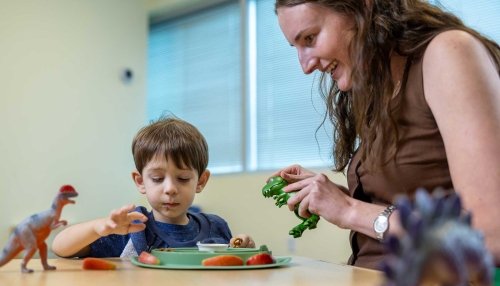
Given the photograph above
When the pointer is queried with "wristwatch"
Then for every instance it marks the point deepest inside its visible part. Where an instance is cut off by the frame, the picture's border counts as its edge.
(381, 223)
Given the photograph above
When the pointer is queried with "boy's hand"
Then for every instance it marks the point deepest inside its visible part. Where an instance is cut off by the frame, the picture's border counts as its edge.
(121, 221)
(242, 240)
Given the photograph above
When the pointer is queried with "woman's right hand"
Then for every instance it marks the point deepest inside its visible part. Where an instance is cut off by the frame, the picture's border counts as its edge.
(293, 173)
(319, 195)
(316, 194)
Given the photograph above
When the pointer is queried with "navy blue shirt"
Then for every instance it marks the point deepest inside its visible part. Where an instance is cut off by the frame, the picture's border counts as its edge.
(205, 228)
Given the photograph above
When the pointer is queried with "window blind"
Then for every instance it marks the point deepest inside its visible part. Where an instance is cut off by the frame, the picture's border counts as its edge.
(289, 108)
(194, 66)
(483, 15)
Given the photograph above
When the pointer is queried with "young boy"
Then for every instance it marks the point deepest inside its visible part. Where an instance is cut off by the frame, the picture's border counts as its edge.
(171, 157)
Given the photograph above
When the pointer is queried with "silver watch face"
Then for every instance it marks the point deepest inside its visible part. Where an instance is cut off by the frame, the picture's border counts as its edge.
(381, 224)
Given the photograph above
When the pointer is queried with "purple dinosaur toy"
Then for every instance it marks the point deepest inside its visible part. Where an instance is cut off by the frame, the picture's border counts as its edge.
(31, 233)
(439, 246)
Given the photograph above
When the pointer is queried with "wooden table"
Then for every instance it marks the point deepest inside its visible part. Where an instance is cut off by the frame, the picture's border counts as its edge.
(301, 271)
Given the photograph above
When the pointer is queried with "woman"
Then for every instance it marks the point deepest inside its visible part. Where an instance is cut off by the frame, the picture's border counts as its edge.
(415, 102)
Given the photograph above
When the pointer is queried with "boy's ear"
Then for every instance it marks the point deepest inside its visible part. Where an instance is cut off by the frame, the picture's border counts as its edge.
(139, 181)
(202, 181)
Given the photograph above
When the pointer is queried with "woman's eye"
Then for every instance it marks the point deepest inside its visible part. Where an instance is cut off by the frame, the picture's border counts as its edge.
(309, 39)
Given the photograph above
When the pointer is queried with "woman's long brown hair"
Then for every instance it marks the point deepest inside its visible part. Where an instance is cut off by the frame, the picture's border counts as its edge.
(367, 112)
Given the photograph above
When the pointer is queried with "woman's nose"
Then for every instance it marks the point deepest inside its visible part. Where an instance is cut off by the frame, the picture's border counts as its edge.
(307, 62)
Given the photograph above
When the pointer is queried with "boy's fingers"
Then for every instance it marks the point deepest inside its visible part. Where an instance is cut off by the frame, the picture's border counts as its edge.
(235, 242)
(242, 241)
(136, 227)
(137, 216)
(251, 243)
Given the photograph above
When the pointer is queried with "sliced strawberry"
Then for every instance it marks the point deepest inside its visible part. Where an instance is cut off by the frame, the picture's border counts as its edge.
(261, 258)
(148, 258)
(223, 260)
(91, 263)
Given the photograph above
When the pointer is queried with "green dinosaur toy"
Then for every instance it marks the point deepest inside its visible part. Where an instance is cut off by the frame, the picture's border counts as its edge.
(274, 189)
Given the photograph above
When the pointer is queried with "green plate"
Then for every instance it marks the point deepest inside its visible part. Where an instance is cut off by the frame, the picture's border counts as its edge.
(280, 261)
(191, 258)
(497, 277)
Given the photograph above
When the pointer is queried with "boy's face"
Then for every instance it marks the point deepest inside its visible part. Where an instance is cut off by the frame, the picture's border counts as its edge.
(169, 190)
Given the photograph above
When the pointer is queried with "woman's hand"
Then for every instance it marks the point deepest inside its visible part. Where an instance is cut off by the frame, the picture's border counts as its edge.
(121, 221)
(318, 195)
(293, 173)
(242, 241)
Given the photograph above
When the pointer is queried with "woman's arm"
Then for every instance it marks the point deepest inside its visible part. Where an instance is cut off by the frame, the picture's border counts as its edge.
(319, 195)
(462, 88)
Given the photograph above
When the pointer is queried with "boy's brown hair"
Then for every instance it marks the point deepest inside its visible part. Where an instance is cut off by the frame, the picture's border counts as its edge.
(176, 139)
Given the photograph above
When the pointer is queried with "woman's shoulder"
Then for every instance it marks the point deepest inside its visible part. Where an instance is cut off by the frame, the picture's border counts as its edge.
(455, 62)
(453, 45)
(454, 36)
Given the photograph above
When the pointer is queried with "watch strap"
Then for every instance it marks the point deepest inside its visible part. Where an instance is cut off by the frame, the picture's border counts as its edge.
(386, 213)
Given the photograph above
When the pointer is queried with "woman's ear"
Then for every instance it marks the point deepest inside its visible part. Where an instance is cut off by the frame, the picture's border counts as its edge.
(202, 181)
(139, 181)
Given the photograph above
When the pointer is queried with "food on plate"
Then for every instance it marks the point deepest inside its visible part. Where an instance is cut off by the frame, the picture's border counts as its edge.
(260, 258)
(148, 258)
(92, 263)
(237, 242)
(223, 260)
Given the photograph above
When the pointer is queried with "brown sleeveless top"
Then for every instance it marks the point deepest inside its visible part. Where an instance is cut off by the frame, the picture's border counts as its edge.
(420, 162)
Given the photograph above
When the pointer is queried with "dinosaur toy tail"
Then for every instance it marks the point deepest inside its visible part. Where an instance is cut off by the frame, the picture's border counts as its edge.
(10, 251)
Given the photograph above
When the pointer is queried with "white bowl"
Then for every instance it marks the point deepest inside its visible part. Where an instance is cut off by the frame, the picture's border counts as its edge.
(212, 247)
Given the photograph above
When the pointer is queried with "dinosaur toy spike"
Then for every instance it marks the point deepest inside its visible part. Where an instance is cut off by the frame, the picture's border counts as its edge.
(67, 189)
(438, 247)
(274, 189)
(30, 234)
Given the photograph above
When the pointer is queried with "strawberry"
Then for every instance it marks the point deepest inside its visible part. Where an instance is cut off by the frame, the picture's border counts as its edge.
(148, 258)
(260, 258)
(91, 263)
(223, 260)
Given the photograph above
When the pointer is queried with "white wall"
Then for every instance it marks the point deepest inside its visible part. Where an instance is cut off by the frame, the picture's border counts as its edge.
(65, 115)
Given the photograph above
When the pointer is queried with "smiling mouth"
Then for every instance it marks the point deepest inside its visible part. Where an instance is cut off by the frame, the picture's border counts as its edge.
(331, 67)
